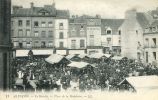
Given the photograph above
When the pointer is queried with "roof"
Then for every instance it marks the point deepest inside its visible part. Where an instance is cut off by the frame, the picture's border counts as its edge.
(117, 57)
(34, 12)
(82, 55)
(140, 82)
(142, 20)
(155, 23)
(78, 64)
(70, 56)
(114, 24)
(54, 58)
(99, 55)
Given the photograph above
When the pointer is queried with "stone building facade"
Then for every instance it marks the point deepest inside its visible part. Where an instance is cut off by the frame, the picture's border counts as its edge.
(151, 43)
(35, 27)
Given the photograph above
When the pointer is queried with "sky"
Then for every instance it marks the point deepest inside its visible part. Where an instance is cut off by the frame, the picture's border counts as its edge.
(105, 8)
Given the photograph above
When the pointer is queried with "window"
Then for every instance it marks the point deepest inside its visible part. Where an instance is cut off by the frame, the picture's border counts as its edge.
(50, 24)
(50, 33)
(36, 24)
(108, 32)
(43, 24)
(146, 42)
(154, 55)
(119, 42)
(119, 32)
(61, 44)
(82, 43)
(73, 32)
(154, 29)
(82, 33)
(50, 44)
(28, 44)
(12, 23)
(36, 43)
(27, 22)
(15, 44)
(12, 33)
(108, 40)
(61, 26)
(154, 42)
(73, 44)
(20, 33)
(43, 34)
(91, 36)
(137, 32)
(20, 23)
(36, 34)
(28, 33)
(43, 44)
(147, 57)
(61, 35)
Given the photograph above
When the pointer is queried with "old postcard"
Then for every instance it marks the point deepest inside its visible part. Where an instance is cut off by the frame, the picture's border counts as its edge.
(79, 49)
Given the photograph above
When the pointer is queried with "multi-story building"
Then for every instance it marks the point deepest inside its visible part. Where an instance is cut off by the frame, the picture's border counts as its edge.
(77, 33)
(151, 43)
(5, 44)
(132, 34)
(61, 30)
(93, 34)
(111, 35)
(35, 27)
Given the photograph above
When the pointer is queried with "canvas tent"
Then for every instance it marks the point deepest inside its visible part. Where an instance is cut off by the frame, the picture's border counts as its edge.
(54, 58)
(142, 83)
(69, 57)
(78, 64)
(117, 58)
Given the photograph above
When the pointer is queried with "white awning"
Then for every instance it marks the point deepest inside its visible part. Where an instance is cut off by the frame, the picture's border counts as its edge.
(42, 52)
(117, 57)
(54, 58)
(24, 53)
(78, 64)
(70, 56)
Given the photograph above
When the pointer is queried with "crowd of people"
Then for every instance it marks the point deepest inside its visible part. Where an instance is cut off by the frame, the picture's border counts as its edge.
(34, 73)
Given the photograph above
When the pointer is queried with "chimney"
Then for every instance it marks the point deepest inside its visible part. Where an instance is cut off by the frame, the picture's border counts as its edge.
(130, 14)
(53, 4)
(32, 4)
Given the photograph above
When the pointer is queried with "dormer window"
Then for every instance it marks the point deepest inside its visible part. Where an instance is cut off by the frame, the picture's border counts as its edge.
(108, 32)
(154, 29)
(43, 12)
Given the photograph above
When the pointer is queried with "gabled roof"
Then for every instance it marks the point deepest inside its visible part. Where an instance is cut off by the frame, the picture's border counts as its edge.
(54, 58)
(142, 20)
(114, 24)
(143, 82)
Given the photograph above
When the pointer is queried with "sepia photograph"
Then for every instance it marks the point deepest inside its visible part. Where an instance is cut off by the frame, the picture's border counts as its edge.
(78, 49)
